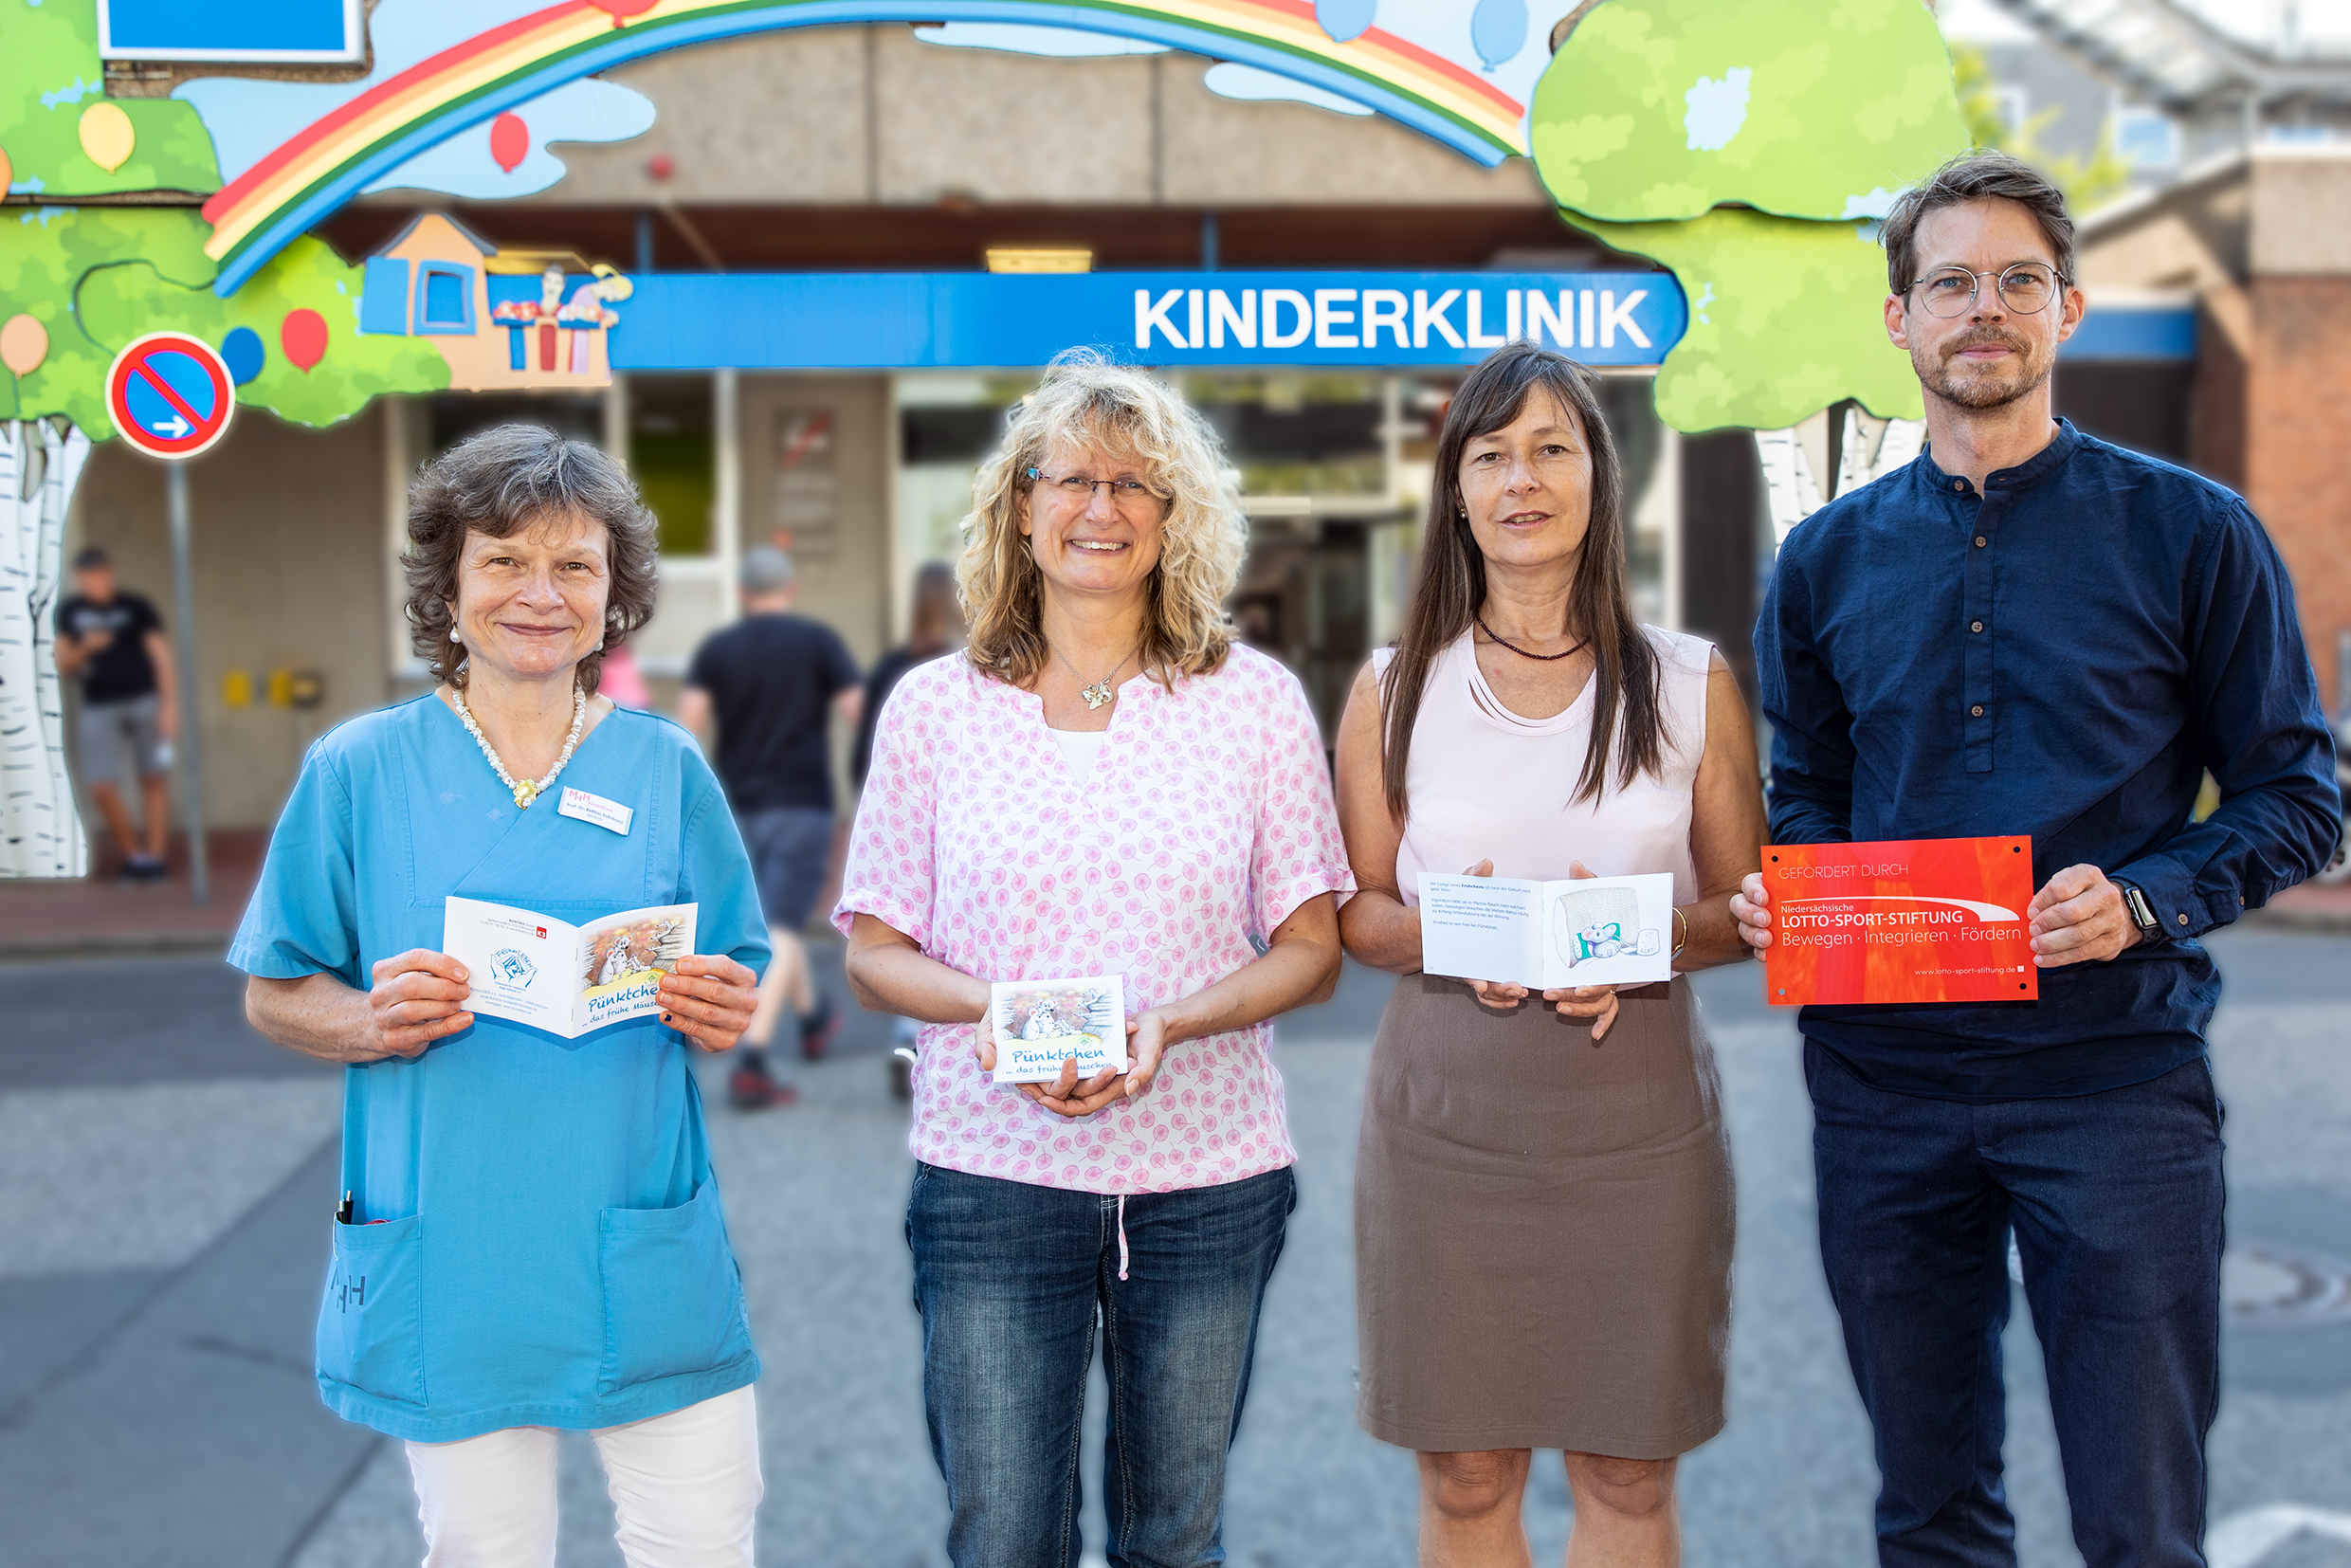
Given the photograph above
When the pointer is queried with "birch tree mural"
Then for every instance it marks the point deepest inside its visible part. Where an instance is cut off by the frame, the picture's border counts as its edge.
(39, 833)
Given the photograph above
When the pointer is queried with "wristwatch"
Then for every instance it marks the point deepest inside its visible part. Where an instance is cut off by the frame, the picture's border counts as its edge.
(2141, 913)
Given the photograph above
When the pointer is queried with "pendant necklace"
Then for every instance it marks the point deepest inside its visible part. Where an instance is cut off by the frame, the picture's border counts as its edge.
(1547, 658)
(1099, 692)
(527, 789)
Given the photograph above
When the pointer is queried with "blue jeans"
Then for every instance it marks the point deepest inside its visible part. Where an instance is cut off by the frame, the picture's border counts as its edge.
(1009, 1277)
(2115, 1199)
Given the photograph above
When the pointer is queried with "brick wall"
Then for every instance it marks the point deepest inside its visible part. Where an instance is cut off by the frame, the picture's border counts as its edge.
(2297, 425)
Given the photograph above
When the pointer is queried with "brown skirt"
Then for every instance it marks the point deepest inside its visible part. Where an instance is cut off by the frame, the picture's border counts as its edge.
(1542, 1228)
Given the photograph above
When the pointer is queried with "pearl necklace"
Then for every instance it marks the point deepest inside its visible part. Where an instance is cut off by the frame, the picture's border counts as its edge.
(527, 790)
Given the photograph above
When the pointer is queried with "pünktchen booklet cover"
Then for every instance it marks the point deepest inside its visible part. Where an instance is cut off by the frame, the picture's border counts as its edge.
(1041, 1024)
(533, 968)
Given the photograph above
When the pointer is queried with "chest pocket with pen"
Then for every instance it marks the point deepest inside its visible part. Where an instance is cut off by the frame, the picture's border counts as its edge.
(371, 1323)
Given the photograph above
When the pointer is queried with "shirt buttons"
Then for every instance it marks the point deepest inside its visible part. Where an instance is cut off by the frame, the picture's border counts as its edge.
(1980, 541)
(1977, 710)
(2183, 920)
(1975, 626)
(1958, 485)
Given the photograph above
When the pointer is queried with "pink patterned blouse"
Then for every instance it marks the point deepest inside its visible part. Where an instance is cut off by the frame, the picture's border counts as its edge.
(1206, 819)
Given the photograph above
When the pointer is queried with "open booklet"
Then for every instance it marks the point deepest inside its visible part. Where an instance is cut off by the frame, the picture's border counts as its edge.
(1041, 1024)
(1548, 935)
(531, 969)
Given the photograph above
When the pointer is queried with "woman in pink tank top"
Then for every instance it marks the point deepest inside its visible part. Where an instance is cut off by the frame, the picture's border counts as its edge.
(1543, 1206)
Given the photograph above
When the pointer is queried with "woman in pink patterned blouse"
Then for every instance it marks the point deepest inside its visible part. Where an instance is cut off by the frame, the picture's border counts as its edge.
(1103, 783)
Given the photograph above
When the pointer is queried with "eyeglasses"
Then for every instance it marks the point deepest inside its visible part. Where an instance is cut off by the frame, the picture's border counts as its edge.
(1128, 495)
(2026, 288)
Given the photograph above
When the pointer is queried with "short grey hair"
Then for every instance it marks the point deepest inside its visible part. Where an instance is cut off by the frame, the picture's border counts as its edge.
(1975, 176)
(505, 481)
(765, 570)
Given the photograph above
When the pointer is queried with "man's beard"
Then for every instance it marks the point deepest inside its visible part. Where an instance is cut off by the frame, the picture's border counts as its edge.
(1980, 390)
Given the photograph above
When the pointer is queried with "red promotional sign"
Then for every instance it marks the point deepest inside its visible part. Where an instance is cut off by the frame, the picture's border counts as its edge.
(169, 394)
(1927, 920)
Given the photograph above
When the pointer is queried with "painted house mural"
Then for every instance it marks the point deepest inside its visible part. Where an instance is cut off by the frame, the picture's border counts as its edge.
(504, 321)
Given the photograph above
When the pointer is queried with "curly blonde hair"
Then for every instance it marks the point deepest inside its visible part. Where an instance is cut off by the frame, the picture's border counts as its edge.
(1086, 399)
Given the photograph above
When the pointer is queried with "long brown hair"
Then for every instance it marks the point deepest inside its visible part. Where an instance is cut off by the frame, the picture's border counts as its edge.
(1451, 585)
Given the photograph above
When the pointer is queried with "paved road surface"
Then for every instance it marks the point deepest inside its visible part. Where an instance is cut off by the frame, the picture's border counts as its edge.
(165, 1178)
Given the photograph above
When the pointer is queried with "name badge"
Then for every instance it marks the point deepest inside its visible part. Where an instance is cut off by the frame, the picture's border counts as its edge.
(595, 809)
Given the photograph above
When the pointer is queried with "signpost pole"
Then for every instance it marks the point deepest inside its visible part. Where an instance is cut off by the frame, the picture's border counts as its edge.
(191, 748)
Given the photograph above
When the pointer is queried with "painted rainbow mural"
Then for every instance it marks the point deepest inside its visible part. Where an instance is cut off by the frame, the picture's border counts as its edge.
(313, 173)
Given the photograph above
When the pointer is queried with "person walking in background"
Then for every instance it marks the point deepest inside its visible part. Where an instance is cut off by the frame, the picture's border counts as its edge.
(1103, 784)
(2030, 631)
(113, 641)
(773, 681)
(1544, 1212)
(622, 683)
(937, 628)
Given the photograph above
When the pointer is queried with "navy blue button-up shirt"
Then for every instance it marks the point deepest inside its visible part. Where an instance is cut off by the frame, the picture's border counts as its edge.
(2063, 656)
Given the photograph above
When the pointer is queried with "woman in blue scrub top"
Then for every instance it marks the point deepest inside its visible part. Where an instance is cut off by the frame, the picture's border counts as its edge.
(532, 1237)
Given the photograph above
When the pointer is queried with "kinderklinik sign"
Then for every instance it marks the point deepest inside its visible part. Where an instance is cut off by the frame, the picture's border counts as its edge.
(972, 320)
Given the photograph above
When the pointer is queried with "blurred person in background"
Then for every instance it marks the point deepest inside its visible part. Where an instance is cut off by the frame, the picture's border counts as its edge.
(2030, 631)
(937, 628)
(621, 683)
(530, 1237)
(1103, 783)
(112, 641)
(1544, 1212)
(773, 682)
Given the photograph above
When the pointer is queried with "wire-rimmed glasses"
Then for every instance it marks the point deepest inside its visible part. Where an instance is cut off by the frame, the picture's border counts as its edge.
(1128, 495)
(2025, 288)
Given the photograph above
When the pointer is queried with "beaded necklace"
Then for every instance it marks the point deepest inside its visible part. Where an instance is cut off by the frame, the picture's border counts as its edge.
(527, 789)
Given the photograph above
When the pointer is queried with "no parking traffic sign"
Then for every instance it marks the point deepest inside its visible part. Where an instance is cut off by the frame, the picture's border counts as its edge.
(169, 394)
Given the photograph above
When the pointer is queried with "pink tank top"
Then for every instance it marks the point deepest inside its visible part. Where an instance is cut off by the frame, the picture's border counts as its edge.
(1484, 783)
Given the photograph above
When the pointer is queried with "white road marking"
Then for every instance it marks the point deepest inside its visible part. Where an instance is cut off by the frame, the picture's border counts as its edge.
(2243, 1540)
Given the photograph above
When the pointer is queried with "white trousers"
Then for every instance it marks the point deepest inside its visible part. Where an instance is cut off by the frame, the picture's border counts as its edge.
(685, 1489)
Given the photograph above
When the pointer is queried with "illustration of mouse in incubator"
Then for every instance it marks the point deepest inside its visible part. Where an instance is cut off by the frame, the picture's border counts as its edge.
(1600, 922)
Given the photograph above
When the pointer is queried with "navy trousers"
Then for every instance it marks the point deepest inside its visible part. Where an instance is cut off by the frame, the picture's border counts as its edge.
(2115, 1199)
(1011, 1279)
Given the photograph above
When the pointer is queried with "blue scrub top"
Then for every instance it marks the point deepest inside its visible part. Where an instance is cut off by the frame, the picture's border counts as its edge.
(551, 1251)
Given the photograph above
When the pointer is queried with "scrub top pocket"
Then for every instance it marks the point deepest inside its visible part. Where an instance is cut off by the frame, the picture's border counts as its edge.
(371, 1324)
(673, 1300)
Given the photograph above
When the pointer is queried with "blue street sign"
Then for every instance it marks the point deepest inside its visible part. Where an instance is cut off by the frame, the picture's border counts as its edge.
(169, 394)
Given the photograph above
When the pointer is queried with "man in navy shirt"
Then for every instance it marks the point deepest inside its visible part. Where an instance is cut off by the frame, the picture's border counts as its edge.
(2030, 631)
(773, 682)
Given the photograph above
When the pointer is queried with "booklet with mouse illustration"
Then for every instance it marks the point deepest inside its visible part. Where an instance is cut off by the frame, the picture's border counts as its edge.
(533, 968)
(1546, 935)
(1041, 1024)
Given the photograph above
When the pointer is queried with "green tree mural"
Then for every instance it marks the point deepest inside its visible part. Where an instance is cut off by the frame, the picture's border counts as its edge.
(1750, 148)
(50, 77)
(76, 283)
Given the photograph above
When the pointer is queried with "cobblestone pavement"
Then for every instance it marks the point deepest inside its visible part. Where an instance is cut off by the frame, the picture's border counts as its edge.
(164, 1177)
